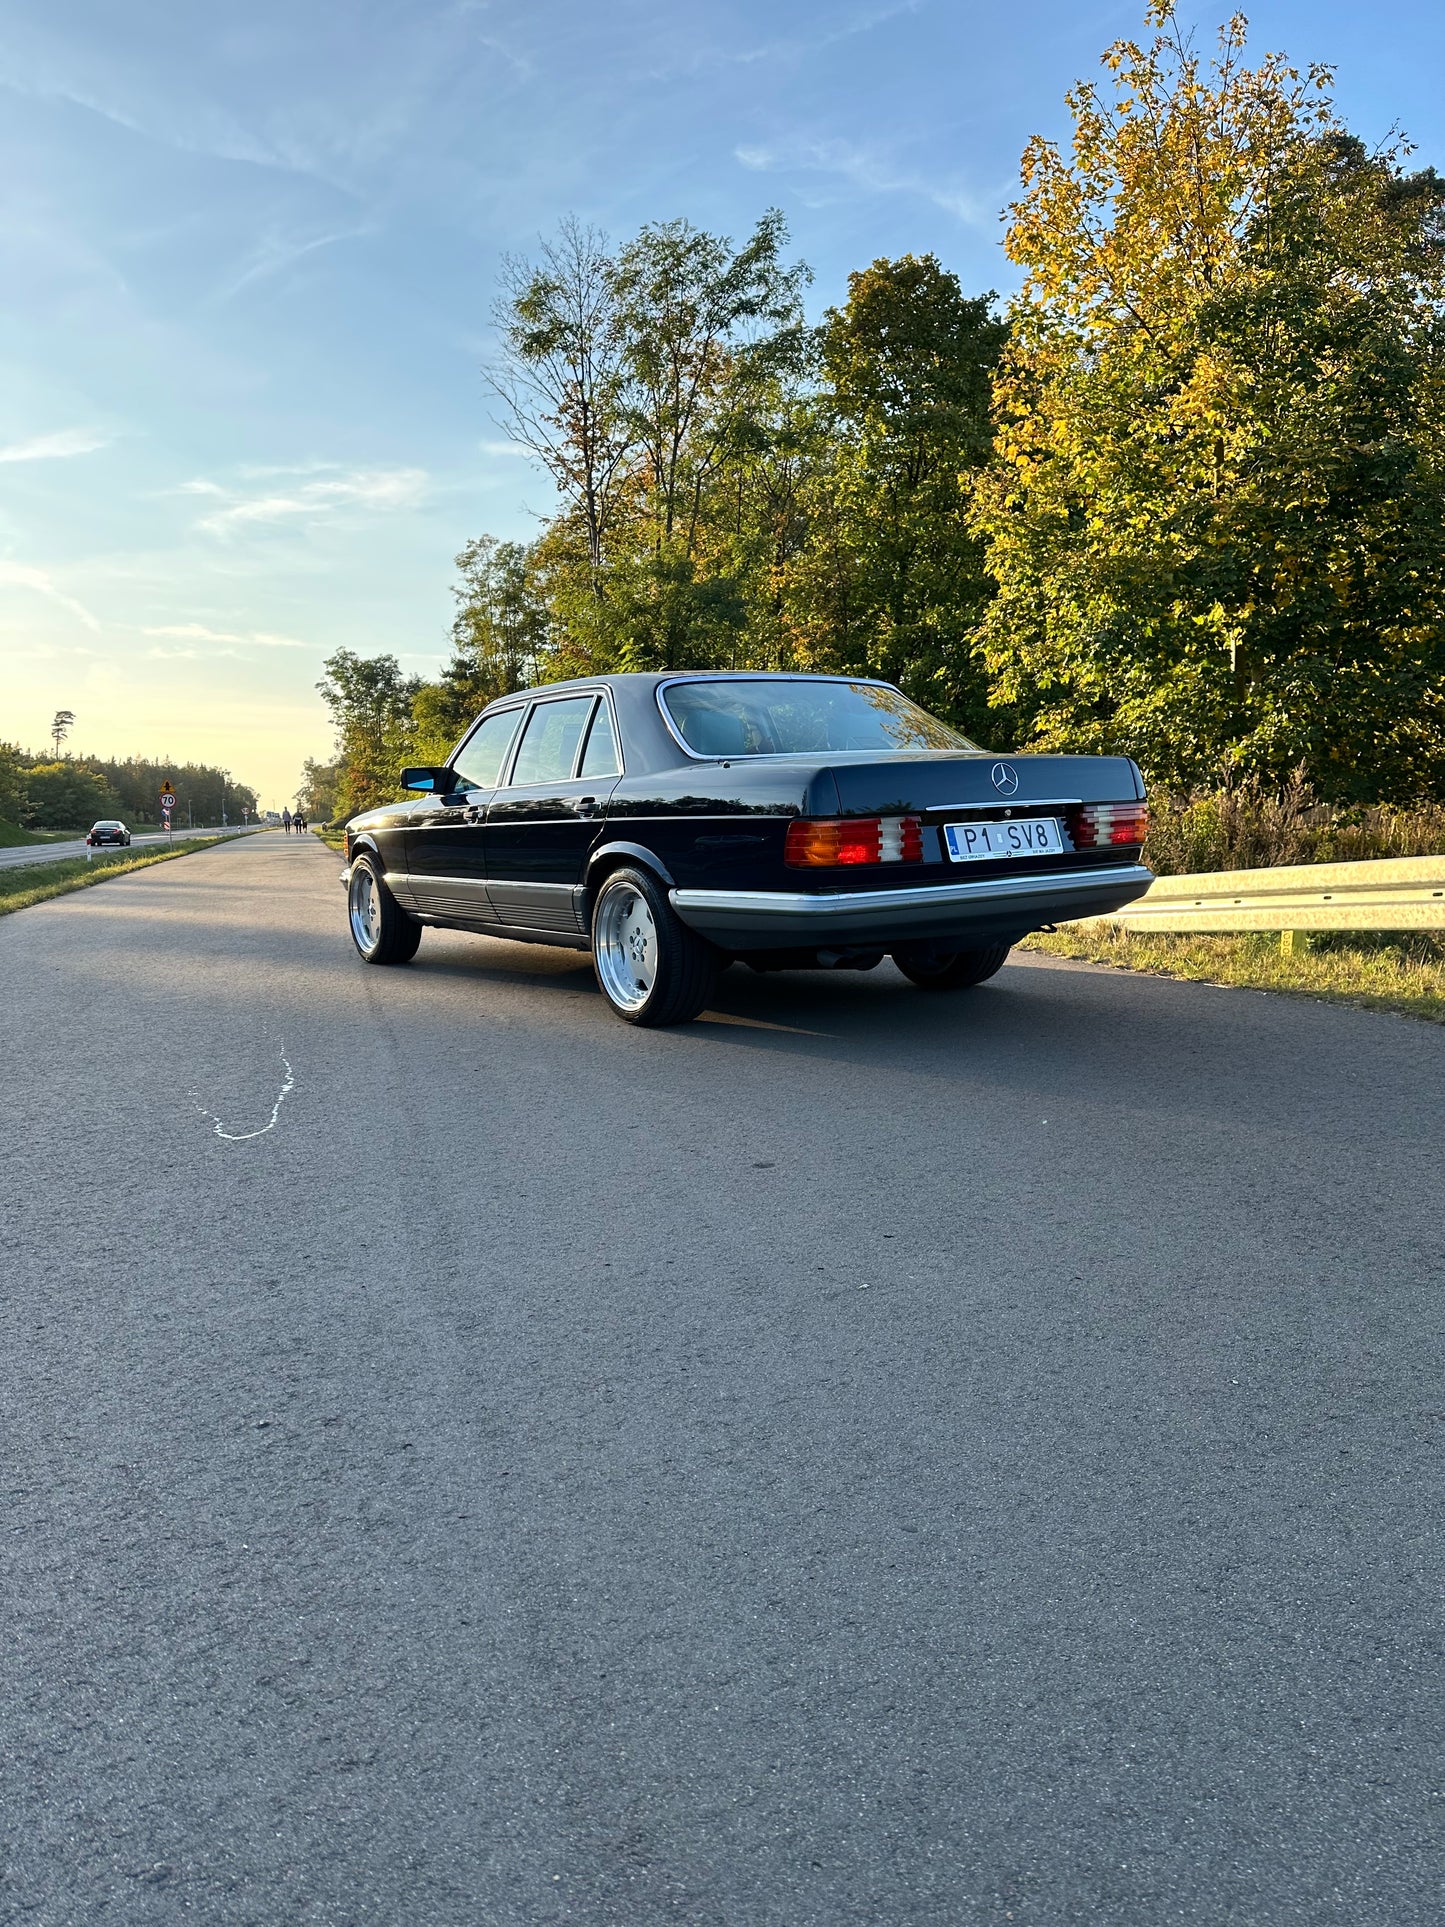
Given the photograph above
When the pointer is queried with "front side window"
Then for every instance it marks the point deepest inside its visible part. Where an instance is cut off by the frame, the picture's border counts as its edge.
(479, 762)
(785, 716)
(549, 742)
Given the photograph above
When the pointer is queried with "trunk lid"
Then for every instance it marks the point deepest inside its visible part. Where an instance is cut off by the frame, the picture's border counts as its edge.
(934, 785)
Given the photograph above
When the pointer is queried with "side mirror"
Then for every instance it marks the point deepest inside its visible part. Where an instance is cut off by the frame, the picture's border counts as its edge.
(429, 777)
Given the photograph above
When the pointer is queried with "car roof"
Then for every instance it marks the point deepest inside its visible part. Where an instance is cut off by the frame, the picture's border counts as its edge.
(644, 679)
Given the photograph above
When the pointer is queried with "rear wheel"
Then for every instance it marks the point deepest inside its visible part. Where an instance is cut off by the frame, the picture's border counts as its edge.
(650, 967)
(381, 930)
(932, 967)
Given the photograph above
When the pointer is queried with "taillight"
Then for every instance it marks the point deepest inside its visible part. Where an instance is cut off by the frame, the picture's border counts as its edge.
(1099, 824)
(828, 841)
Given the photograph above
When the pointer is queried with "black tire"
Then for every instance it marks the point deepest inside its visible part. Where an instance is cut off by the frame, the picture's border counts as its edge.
(650, 967)
(381, 930)
(932, 967)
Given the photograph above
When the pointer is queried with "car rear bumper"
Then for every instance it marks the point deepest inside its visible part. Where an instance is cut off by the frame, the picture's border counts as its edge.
(994, 910)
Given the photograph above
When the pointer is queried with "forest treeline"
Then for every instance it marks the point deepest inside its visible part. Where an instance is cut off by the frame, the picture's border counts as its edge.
(1182, 496)
(71, 792)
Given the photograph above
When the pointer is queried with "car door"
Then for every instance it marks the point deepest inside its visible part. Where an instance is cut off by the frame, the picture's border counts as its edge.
(543, 822)
(445, 840)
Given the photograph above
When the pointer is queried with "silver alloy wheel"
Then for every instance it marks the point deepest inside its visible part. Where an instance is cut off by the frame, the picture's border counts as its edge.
(365, 910)
(625, 946)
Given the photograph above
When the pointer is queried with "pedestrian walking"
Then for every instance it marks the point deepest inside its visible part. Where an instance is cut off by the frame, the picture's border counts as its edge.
(286, 821)
(300, 821)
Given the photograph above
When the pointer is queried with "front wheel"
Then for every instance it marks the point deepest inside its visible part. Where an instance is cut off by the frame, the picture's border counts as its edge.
(932, 967)
(381, 930)
(650, 967)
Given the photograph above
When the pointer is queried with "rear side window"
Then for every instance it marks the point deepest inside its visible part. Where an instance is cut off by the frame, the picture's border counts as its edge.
(479, 761)
(600, 757)
(550, 740)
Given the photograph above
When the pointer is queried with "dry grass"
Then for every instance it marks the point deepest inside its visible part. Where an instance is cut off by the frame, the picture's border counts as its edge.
(1247, 828)
(1402, 973)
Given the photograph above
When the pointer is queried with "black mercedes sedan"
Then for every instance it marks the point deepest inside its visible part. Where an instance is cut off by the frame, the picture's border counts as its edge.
(672, 824)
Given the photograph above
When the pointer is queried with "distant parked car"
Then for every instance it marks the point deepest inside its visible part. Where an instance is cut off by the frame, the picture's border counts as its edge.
(107, 831)
(675, 824)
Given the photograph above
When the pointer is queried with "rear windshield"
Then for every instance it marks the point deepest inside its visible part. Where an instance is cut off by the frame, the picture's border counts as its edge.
(106, 823)
(783, 716)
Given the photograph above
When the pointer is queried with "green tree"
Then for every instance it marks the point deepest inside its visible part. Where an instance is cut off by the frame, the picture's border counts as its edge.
(318, 789)
(371, 705)
(636, 377)
(14, 801)
(892, 582)
(67, 796)
(560, 379)
(1217, 514)
(707, 331)
(499, 643)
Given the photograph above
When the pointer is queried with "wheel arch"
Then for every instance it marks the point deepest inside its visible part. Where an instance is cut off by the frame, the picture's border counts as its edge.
(620, 856)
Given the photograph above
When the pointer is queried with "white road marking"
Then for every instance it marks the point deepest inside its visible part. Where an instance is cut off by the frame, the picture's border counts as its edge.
(239, 1137)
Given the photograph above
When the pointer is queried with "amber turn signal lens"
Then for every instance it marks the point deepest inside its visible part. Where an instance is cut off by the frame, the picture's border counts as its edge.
(828, 841)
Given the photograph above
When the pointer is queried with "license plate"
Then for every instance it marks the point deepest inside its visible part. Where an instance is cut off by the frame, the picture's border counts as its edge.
(987, 842)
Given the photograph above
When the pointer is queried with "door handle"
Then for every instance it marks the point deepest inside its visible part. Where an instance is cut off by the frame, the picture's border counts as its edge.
(587, 806)
(474, 814)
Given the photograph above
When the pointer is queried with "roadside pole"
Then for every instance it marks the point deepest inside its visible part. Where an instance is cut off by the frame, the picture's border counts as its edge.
(168, 803)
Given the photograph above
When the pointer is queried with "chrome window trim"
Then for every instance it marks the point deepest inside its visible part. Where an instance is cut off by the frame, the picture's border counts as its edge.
(604, 699)
(782, 675)
(599, 693)
(504, 709)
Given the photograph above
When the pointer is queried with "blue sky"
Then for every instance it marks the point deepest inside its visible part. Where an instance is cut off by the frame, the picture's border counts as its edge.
(250, 254)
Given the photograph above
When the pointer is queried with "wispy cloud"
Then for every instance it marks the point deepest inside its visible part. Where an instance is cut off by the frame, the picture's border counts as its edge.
(785, 47)
(381, 490)
(268, 471)
(506, 448)
(275, 253)
(53, 447)
(869, 168)
(198, 632)
(193, 126)
(18, 575)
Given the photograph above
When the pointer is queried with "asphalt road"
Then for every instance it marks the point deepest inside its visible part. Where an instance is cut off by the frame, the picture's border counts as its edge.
(864, 1458)
(58, 852)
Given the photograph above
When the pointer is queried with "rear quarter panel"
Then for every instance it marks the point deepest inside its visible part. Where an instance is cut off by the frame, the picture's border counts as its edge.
(719, 826)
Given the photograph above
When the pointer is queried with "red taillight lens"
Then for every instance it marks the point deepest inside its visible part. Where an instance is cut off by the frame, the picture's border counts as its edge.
(825, 842)
(1099, 824)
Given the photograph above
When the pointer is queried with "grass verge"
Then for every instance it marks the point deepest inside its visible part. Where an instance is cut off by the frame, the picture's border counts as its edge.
(34, 882)
(1401, 973)
(12, 837)
(333, 839)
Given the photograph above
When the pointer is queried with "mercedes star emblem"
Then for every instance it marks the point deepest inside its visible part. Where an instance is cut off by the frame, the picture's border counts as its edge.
(1005, 779)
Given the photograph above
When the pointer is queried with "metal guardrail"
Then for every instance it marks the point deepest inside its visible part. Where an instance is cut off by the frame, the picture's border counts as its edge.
(1390, 893)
